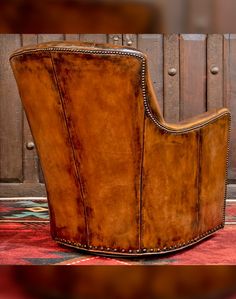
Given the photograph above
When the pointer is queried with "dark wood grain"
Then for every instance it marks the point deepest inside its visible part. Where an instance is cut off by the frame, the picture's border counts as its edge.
(22, 190)
(115, 39)
(130, 40)
(50, 37)
(30, 157)
(97, 38)
(72, 37)
(10, 114)
(214, 81)
(171, 83)
(152, 45)
(192, 74)
(230, 96)
(231, 191)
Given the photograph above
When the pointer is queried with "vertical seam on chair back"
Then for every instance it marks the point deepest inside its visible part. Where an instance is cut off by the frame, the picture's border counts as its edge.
(199, 175)
(141, 182)
(72, 146)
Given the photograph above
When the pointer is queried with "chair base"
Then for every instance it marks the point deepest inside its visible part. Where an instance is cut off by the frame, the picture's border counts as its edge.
(138, 252)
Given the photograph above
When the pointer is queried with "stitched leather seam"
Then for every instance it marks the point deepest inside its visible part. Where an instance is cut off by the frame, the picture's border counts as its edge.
(72, 146)
(199, 144)
(141, 184)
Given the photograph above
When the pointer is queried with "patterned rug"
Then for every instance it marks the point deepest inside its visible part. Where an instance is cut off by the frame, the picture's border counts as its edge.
(25, 240)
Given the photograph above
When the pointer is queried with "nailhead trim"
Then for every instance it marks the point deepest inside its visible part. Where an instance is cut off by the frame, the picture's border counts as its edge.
(227, 166)
(158, 124)
(143, 251)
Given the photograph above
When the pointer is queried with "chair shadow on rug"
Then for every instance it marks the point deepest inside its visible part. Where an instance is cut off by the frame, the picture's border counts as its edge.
(120, 180)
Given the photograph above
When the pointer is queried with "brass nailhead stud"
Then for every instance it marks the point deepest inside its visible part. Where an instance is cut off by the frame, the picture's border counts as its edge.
(144, 250)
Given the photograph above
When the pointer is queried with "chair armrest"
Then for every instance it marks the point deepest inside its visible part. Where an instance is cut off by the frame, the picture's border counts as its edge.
(197, 122)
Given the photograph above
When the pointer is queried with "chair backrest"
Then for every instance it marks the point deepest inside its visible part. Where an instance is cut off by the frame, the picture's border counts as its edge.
(85, 107)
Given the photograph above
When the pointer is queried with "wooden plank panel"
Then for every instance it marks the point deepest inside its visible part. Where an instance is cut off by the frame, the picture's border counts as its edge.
(192, 74)
(226, 66)
(214, 80)
(171, 80)
(130, 40)
(22, 190)
(231, 191)
(230, 97)
(152, 45)
(50, 37)
(115, 39)
(10, 113)
(97, 38)
(30, 157)
(72, 37)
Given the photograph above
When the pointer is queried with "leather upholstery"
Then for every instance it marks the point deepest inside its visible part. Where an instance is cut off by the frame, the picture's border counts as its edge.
(120, 180)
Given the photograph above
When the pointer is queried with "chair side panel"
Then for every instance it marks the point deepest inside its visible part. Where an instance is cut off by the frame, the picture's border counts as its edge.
(213, 158)
(170, 188)
(104, 107)
(41, 101)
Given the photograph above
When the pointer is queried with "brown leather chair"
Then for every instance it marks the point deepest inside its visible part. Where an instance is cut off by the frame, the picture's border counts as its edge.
(119, 179)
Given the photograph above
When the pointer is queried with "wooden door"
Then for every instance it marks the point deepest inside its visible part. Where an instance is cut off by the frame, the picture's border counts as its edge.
(191, 73)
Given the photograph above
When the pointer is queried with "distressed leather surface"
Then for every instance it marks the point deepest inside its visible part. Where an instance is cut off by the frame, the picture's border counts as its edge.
(120, 180)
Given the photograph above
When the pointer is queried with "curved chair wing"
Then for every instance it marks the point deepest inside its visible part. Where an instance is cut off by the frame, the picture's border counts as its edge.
(119, 179)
